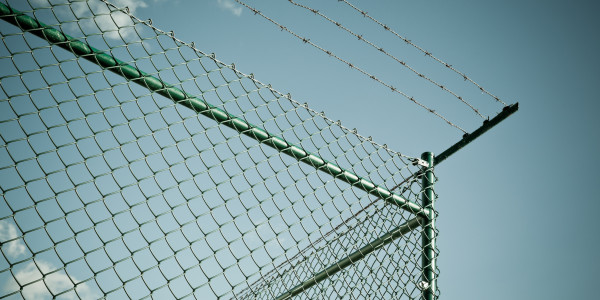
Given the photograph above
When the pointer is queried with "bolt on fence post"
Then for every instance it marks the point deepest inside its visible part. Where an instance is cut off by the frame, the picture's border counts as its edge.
(429, 280)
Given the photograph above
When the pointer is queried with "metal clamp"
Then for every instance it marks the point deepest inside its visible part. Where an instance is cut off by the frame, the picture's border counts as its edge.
(420, 162)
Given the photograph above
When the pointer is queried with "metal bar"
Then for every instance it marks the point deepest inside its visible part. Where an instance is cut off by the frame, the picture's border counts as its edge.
(107, 61)
(429, 280)
(354, 257)
(507, 111)
(469, 137)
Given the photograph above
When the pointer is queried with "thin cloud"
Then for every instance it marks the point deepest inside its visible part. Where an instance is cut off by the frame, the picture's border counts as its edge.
(116, 25)
(56, 282)
(230, 6)
(8, 231)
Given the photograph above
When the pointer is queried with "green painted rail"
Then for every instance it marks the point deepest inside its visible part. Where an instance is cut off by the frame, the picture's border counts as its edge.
(108, 62)
(354, 257)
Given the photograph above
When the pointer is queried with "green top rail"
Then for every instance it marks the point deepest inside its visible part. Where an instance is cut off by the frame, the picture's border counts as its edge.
(108, 62)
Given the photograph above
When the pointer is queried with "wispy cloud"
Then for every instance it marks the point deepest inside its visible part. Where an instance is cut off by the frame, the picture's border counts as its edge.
(230, 6)
(32, 271)
(56, 282)
(116, 25)
(8, 231)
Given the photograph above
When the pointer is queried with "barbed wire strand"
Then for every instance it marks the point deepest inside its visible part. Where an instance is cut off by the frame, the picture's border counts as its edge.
(380, 49)
(427, 53)
(304, 105)
(250, 76)
(168, 167)
(351, 65)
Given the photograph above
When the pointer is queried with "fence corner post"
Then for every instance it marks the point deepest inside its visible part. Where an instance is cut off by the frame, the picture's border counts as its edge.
(428, 282)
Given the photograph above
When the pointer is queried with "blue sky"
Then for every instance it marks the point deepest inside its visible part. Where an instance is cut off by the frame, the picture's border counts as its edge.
(517, 214)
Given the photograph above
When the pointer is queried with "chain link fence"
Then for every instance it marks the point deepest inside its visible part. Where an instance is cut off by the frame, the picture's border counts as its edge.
(134, 165)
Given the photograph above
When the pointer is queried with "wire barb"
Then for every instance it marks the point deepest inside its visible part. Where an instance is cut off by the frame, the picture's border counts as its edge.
(109, 171)
(360, 38)
(387, 28)
(305, 40)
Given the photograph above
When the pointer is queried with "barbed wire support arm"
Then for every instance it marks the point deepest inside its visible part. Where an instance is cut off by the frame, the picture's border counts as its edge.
(108, 62)
(469, 137)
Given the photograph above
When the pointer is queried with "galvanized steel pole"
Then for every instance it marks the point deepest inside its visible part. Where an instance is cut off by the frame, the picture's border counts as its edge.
(429, 280)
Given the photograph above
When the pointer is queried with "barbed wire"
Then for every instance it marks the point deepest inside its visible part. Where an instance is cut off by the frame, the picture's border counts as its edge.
(250, 76)
(132, 163)
(380, 49)
(351, 65)
(427, 53)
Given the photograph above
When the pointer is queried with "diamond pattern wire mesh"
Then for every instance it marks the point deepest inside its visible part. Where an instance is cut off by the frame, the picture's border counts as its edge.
(109, 189)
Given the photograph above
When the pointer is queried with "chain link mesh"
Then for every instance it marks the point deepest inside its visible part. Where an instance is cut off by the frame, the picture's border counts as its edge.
(112, 190)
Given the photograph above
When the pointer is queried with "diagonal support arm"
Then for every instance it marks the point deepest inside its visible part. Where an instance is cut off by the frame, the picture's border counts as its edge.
(354, 257)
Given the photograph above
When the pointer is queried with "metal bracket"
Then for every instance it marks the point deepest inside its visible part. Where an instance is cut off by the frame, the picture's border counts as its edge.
(423, 285)
(420, 162)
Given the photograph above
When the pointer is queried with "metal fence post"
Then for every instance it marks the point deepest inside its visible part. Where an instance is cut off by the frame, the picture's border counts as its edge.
(429, 280)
